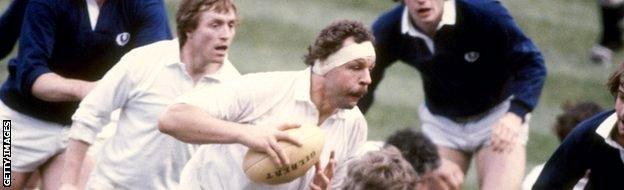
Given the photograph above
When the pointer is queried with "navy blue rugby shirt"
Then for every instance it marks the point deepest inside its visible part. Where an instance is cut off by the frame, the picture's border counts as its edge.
(480, 61)
(56, 36)
(585, 149)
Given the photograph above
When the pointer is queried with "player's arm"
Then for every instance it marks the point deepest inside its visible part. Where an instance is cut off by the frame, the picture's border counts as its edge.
(529, 73)
(94, 112)
(194, 125)
(75, 154)
(55, 88)
(525, 61)
(36, 45)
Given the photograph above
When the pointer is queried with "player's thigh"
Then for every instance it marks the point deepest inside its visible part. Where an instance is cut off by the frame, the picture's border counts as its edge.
(501, 170)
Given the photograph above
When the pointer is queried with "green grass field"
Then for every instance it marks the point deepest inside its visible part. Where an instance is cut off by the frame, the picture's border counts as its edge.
(274, 35)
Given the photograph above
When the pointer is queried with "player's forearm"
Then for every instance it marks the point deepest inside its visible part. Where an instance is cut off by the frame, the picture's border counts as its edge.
(74, 156)
(54, 88)
(192, 125)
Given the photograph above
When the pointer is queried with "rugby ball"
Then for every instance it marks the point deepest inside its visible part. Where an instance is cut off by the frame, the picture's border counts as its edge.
(260, 168)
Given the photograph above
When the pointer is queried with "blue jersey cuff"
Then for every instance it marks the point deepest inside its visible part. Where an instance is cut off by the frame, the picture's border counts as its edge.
(32, 76)
(519, 109)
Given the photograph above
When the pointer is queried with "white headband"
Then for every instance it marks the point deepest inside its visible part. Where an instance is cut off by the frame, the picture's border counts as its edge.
(342, 56)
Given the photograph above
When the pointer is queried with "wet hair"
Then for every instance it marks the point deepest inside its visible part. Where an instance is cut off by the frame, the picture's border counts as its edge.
(330, 39)
(572, 115)
(383, 169)
(417, 149)
(189, 13)
(615, 81)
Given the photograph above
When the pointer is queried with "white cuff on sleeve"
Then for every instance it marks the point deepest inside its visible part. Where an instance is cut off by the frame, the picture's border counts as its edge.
(81, 132)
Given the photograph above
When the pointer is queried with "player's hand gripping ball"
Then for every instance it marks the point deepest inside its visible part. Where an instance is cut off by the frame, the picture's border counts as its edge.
(260, 168)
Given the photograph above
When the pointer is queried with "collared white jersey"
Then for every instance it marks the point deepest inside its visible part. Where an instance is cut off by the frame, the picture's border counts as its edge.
(143, 84)
(267, 100)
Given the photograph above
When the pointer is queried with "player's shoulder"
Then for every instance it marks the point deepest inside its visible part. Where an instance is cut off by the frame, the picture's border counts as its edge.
(591, 124)
(151, 49)
(273, 77)
(389, 18)
(163, 46)
(490, 10)
(150, 54)
(585, 132)
(264, 84)
(388, 21)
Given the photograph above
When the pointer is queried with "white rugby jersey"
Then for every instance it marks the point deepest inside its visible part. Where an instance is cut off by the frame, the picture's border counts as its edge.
(267, 99)
(143, 84)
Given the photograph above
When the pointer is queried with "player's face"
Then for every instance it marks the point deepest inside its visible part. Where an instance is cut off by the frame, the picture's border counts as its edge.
(425, 13)
(619, 109)
(345, 85)
(213, 36)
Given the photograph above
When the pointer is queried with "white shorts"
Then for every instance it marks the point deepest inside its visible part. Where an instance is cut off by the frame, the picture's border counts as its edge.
(33, 141)
(467, 136)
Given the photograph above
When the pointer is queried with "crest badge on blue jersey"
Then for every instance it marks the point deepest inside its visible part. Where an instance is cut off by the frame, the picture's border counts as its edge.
(471, 57)
(122, 38)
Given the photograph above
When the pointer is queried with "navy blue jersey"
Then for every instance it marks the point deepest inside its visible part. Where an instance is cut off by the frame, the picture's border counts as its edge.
(584, 150)
(56, 36)
(480, 61)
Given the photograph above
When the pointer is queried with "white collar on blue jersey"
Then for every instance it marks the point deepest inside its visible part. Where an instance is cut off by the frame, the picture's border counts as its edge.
(604, 130)
(94, 12)
(449, 16)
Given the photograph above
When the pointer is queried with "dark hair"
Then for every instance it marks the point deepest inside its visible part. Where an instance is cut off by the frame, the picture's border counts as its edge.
(188, 15)
(417, 149)
(383, 169)
(615, 81)
(572, 115)
(330, 39)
